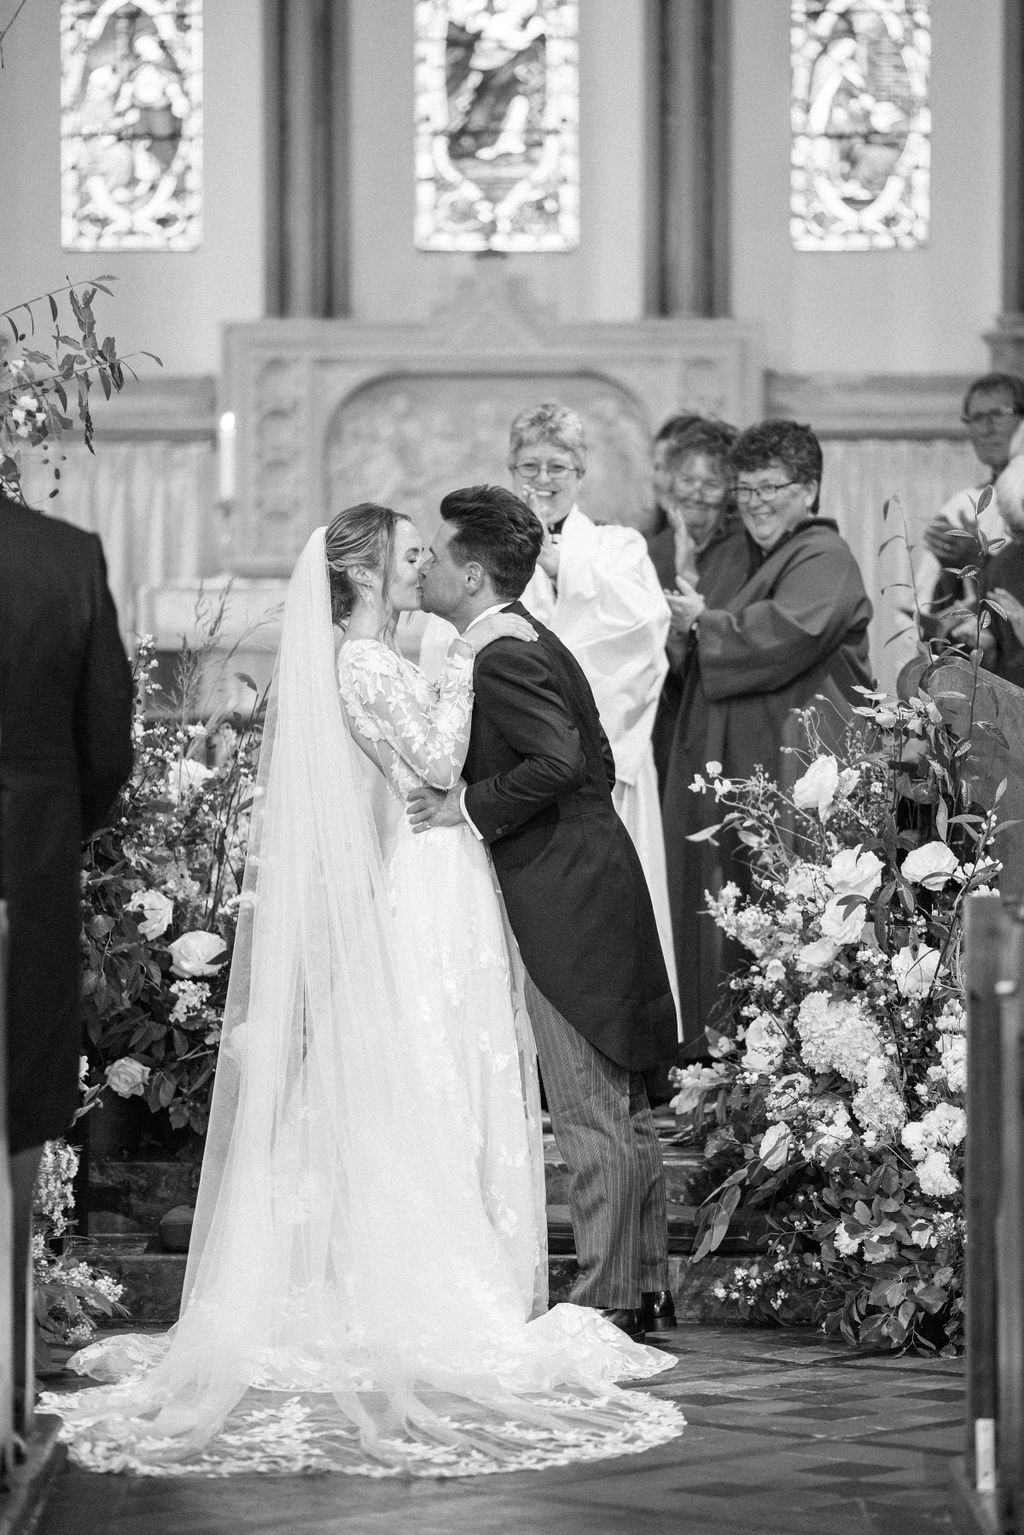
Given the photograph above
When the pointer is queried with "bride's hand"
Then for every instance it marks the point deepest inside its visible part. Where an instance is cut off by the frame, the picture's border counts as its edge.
(498, 626)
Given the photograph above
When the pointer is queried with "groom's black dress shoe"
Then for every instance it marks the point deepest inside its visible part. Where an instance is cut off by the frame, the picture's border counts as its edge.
(657, 1310)
(630, 1322)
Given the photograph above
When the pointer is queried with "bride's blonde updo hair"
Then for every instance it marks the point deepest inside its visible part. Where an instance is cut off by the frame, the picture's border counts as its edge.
(362, 535)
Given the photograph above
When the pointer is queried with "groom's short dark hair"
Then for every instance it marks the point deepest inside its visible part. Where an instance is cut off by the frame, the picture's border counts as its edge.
(500, 532)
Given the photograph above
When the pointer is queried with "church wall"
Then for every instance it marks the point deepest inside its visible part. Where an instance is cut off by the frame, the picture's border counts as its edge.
(872, 348)
(890, 311)
(901, 312)
(170, 303)
(603, 279)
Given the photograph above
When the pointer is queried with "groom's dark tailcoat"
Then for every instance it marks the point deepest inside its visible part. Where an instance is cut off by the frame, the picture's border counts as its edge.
(65, 750)
(540, 775)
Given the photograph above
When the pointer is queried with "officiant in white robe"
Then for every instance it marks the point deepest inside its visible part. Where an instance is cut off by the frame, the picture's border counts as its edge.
(596, 588)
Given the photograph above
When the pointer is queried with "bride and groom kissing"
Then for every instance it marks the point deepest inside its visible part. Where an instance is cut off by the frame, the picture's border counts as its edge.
(367, 1284)
(538, 779)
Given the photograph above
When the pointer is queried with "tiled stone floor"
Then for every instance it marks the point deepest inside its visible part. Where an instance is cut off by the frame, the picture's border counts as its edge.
(786, 1433)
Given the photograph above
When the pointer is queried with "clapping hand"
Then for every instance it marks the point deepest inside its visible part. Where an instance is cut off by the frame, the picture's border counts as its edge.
(550, 551)
(685, 606)
(684, 548)
(952, 547)
(427, 807)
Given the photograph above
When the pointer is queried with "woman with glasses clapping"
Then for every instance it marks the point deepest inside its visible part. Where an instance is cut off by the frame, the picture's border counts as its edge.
(793, 635)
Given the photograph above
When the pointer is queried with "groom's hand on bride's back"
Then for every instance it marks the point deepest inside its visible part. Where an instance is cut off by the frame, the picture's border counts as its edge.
(428, 807)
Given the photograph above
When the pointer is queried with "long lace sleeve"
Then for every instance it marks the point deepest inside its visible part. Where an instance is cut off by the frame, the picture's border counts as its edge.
(397, 714)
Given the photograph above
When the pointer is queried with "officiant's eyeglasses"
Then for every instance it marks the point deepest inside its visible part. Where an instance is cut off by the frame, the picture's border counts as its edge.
(530, 469)
(746, 495)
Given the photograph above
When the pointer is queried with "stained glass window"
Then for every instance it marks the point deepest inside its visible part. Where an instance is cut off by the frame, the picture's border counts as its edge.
(861, 124)
(497, 109)
(131, 124)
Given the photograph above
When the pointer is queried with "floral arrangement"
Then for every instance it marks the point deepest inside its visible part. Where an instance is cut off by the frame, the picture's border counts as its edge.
(42, 391)
(161, 887)
(70, 1294)
(842, 1064)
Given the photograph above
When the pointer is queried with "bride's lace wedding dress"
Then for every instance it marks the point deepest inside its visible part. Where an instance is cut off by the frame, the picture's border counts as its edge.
(366, 1283)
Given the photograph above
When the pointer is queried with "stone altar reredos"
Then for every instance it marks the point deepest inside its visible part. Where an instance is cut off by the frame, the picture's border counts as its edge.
(332, 412)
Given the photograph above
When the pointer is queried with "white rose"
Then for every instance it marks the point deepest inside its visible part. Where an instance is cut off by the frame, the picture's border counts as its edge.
(841, 923)
(185, 777)
(930, 865)
(127, 1077)
(816, 955)
(192, 954)
(853, 872)
(158, 909)
(763, 1045)
(817, 788)
(776, 1145)
(915, 973)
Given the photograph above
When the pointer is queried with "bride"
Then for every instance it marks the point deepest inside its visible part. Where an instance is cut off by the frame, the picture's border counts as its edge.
(367, 1280)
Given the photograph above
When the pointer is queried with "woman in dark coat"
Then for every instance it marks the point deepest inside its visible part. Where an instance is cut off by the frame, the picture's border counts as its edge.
(796, 629)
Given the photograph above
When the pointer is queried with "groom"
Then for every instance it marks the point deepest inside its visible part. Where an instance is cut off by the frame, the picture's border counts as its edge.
(538, 781)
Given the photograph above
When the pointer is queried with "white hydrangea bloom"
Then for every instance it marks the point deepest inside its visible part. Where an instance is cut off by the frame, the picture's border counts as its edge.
(878, 1104)
(837, 1035)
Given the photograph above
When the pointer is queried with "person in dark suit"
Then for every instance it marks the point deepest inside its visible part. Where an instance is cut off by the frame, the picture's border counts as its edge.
(65, 750)
(538, 780)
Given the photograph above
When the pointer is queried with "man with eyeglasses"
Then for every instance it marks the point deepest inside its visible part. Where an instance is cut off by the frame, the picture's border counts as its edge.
(993, 409)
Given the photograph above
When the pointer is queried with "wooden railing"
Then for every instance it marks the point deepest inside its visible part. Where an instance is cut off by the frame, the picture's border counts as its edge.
(990, 1482)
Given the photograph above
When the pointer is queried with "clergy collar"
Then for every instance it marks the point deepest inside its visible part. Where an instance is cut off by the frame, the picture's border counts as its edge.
(555, 528)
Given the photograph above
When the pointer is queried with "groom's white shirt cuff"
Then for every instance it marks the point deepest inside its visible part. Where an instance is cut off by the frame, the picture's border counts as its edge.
(496, 607)
(468, 818)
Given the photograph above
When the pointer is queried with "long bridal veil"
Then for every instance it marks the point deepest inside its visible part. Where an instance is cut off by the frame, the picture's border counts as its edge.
(347, 1304)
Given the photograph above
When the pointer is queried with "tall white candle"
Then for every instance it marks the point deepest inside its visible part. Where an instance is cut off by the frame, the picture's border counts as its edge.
(226, 456)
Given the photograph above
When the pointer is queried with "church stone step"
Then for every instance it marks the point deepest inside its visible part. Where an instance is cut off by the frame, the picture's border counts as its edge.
(130, 1196)
(687, 1181)
(744, 1234)
(153, 1278)
(153, 1282)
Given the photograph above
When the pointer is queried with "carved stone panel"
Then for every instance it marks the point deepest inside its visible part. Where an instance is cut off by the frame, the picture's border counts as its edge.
(333, 412)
